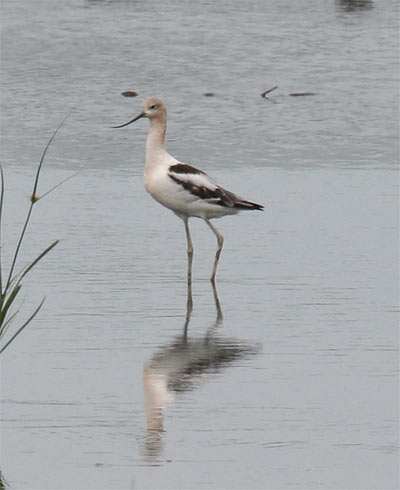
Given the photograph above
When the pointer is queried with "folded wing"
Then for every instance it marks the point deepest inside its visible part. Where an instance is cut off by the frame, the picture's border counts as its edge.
(200, 185)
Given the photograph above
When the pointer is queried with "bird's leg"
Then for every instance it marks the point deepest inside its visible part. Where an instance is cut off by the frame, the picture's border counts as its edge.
(220, 240)
(190, 257)
(217, 305)
(189, 308)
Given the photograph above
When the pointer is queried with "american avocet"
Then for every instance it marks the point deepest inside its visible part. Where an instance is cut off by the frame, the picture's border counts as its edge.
(184, 189)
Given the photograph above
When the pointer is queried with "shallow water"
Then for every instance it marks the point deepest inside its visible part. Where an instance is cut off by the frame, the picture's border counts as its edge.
(294, 383)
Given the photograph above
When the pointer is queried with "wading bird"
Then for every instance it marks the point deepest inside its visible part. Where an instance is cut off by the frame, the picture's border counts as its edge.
(184, 189)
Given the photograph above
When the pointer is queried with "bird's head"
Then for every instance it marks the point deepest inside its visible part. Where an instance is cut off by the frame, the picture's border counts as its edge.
(153, 108)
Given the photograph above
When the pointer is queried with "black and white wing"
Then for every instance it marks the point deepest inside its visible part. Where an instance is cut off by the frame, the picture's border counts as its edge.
(199, 184)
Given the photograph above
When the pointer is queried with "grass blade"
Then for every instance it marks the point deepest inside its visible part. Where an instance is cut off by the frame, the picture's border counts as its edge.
(35, 185)
(36, 198)
(1, 214)
(31, 265)
(7, 302)
(33, 200)
(13, 284)
(9, 320)
(23, 326)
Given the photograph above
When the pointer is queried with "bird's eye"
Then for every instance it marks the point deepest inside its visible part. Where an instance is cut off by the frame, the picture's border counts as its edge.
(154, 106)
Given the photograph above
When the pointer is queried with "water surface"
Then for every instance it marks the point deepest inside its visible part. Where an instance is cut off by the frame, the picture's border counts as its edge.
(294, 383)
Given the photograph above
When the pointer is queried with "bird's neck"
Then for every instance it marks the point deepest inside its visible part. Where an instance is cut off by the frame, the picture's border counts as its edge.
(156, 138)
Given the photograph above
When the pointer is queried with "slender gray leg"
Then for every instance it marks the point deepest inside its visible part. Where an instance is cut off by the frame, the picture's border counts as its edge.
(217, 305)
(189, 308)
(190, 255)
(220, 240)
(213, 329)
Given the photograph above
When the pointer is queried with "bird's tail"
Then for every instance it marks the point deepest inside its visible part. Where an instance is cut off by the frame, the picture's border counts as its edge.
(243, 204)
(234, 201)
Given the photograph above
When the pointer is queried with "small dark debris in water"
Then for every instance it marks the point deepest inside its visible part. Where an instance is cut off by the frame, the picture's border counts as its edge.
(209, 94)
(354, 5)
(129, 93)
(302, 94)
(264, 94)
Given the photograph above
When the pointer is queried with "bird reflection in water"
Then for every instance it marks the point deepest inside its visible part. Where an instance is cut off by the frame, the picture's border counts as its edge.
(178, 367)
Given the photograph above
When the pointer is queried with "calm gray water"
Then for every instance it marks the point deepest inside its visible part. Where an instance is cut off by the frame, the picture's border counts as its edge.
(295, 384)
